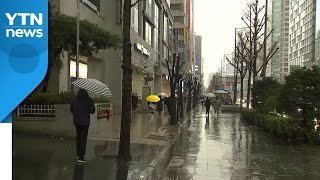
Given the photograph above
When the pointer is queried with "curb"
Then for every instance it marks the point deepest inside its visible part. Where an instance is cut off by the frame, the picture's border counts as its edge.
(148, 170)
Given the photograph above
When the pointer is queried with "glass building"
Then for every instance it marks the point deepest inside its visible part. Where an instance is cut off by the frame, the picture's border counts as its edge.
(279, 20)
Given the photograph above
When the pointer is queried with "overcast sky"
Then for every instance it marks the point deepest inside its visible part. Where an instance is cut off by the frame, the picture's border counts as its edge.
(215, 20)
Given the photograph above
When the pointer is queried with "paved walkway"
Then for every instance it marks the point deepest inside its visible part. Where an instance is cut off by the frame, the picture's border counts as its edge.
(50, 158)
(224, 147)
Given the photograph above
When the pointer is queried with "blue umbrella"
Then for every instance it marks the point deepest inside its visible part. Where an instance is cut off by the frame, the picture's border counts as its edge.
(221, 92)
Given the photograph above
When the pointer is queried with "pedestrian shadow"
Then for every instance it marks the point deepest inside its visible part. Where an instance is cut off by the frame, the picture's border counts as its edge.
(78, 173)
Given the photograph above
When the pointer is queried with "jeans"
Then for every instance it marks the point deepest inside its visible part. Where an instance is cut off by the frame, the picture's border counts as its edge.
(82, 135)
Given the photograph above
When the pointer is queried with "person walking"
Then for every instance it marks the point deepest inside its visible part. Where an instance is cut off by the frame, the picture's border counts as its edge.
(132, 101)
(81, 107)
(207, 104)
(160, 106)
(167, 102)
(136, 100)
(216, 105)
(151, 107)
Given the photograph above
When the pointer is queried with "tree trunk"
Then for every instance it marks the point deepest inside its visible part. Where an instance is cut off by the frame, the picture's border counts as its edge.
(235, 88)
(173, 106)
(264, 67)
(241, 93)
(189, 96)
(181, 100)
(249, 89)
(194, 105)
(255, 43)
(124, 144)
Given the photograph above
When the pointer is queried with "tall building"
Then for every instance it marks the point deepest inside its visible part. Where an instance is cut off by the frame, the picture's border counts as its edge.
(279, 22)
(190, 34)
(151, 40)
(317, 31)
(302, 33)
(179, 10)
(198, 58)
(182, 11)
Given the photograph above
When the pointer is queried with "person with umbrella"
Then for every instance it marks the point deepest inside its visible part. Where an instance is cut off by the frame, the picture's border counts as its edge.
(152, 102)
(207, 104)
(81, 107)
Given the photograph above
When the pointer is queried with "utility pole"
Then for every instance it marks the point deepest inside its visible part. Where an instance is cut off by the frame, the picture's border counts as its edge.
(78, 38)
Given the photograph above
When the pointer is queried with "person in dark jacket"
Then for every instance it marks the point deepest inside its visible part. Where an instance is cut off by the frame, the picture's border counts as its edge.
(81, 107)
(207, 104)
(160, 106)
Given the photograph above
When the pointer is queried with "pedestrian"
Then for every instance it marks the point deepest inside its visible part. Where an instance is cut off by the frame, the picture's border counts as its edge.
(216, 105)
(207, 104)
(160, 106)
(136, 101)
(81, 107)
(168, 104)
(133, 101)
(151, 107)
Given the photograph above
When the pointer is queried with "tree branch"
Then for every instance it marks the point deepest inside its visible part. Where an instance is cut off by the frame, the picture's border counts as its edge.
(168, 68)
(135, 3)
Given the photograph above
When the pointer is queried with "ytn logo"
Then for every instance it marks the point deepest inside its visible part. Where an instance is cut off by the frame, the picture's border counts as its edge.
(24, 25)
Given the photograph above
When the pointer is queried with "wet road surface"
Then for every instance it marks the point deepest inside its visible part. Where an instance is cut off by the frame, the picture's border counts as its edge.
(224, 147)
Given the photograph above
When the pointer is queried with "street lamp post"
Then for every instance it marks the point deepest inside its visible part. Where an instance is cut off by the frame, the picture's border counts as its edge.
(78, 38)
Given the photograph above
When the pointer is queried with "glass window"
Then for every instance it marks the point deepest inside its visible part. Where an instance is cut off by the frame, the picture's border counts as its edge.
(165, 52)
(181, 30)
(179, 19)
(156, 29)
(165, 28)
(181, 44)
(135, 16)
(147, 32)
(176, 7)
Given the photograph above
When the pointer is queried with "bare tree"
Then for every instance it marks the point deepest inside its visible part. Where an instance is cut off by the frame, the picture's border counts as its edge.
(124, 143)
(240, 62)
(215, 83)
(255, 20)
(174, 79)
(190, 87)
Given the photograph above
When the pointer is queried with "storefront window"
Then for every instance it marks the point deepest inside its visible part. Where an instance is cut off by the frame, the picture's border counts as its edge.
(147, 32)
(135, 16)
(83, 69)
(165, 28)
(156, 29)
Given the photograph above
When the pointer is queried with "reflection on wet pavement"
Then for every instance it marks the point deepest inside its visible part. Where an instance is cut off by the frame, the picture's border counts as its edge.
(36, 158)
(51, 158)
(224, 147)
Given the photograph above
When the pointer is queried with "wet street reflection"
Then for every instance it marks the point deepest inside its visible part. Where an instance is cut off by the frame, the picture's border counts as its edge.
(224, 147)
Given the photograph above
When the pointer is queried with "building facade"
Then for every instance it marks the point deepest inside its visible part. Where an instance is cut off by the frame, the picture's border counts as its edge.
(302, 33)
(151, 39)
(183, 13)
(279, 24)
(198, 58)
(179, 11)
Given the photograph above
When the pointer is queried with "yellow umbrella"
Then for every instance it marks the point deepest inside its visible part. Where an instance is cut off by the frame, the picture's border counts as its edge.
(153, 98)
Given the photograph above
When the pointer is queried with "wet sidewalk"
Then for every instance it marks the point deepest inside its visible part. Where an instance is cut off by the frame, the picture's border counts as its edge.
(224, 147)
(52, 157)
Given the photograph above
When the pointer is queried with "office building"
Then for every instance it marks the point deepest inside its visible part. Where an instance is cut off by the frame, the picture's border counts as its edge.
(151, 40)
(302, 35)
